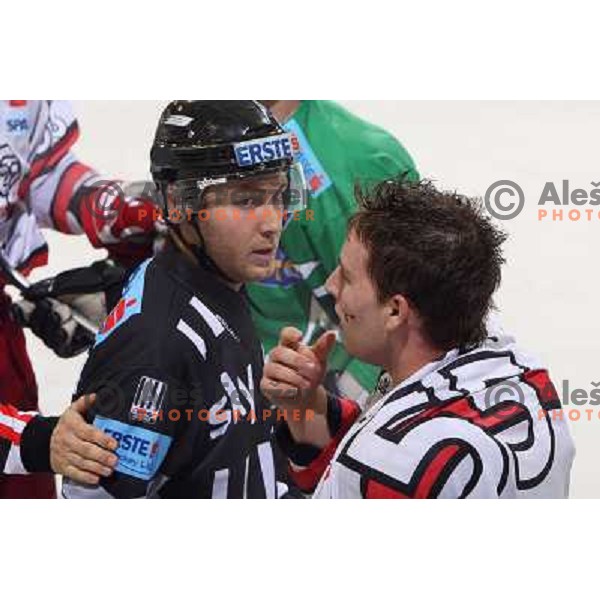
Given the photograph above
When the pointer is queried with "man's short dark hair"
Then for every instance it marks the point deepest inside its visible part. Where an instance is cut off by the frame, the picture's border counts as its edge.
(438, 249)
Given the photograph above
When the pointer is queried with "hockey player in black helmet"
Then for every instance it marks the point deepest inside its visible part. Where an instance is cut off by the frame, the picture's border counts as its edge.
(224, 161)
(177, 365)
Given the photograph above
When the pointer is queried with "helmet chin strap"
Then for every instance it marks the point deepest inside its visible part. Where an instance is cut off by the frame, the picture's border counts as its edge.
(194, 250)
(197, 251)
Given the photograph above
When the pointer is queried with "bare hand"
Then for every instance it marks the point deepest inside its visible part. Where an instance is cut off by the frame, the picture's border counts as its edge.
(79, 450)
(295, 369)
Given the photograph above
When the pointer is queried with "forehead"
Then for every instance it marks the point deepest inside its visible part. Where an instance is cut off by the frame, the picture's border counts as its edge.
(354, 254)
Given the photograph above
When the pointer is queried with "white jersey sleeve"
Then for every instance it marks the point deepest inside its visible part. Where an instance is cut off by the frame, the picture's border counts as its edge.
(55, 174)
(12, 425)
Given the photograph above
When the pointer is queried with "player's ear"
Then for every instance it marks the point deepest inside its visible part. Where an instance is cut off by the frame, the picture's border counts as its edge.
(396, 312)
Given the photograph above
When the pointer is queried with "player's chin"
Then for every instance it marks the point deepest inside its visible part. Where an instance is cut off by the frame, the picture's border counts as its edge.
(258, 273)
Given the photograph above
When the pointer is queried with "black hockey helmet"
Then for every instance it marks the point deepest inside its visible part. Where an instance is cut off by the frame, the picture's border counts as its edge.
(204, 143)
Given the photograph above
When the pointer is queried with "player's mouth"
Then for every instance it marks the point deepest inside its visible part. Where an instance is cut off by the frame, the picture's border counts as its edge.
(263, 257)
(343, 316)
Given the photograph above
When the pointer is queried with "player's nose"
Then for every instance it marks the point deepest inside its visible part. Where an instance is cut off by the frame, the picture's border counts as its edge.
(270, 221)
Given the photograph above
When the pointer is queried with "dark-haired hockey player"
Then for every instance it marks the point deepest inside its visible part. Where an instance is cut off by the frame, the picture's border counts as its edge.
(44, 185)
(336, 149)
(177, 365)
(468, 414)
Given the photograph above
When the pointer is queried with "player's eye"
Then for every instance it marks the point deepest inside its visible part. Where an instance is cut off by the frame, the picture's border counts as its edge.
(248, 202)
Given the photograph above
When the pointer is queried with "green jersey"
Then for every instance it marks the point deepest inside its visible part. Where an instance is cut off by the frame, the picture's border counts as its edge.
(337, 150)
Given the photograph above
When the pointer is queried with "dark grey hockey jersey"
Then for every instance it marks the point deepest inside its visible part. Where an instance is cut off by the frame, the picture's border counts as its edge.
(177, 369)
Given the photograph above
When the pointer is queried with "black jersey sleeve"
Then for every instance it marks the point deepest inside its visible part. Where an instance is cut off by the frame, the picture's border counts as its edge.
(135, 368)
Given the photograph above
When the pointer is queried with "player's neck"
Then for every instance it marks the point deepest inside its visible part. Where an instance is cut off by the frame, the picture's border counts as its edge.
(190, 257)
(410, 358)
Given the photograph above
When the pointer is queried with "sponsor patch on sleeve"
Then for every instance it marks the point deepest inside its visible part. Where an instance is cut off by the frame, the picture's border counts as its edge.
(140, 451)
(148, 401)
(130, 304)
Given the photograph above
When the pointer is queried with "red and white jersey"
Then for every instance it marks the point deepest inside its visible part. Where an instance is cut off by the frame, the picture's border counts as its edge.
(12, 426)
(485, 423)
(39, 177)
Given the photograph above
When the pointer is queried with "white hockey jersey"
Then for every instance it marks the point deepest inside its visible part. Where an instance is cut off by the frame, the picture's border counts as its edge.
(39, 177)
(486, 423)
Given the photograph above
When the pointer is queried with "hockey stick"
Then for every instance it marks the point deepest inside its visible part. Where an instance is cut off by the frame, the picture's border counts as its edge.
(14, 277)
